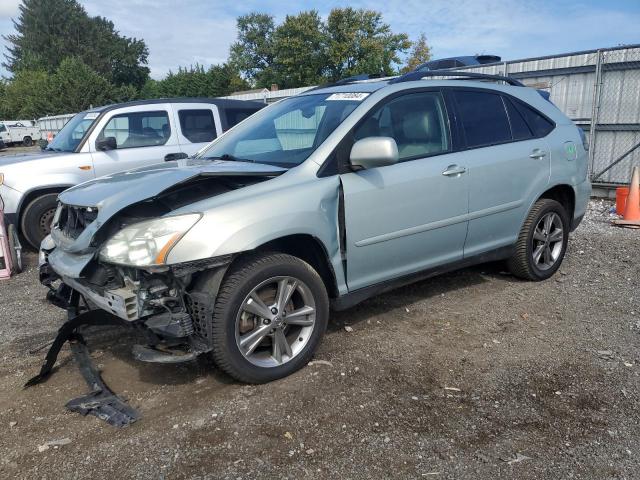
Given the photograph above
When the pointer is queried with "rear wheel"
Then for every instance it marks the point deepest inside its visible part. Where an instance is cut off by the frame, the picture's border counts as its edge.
(27, 141)
(37, 217)
(542, 242)
(270, 315)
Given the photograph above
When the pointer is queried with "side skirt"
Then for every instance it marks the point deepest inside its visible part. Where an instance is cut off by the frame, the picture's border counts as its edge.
(357, 296)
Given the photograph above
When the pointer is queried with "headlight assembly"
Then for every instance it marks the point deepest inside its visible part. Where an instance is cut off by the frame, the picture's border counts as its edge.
(147, 243)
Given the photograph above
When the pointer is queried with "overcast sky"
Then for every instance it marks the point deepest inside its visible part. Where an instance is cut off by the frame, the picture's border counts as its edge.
(180, 33)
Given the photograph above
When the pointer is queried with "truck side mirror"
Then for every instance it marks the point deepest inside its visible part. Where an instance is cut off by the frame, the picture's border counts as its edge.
(106, 143)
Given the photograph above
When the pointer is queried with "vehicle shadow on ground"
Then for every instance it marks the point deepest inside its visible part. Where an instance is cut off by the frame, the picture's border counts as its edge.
(118, 341)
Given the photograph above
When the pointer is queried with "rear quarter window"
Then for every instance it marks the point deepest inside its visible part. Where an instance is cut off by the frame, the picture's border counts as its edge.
(236, 115)
(540, 125)
(197, 125)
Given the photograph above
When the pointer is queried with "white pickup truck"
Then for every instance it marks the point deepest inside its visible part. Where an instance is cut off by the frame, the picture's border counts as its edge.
(105, 140)
(21, 132)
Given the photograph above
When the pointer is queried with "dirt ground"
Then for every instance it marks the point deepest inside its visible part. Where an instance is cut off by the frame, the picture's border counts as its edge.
(472, 375)
(19, 149)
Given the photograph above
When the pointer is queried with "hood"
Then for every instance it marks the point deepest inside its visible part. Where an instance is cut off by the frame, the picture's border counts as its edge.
(112, 193)
(26, 157)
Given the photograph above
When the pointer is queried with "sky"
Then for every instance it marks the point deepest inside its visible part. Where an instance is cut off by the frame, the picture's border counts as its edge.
(185, 32)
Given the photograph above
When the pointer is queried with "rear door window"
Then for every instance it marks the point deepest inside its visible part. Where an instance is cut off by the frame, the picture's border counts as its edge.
(197, 125)
(484, 118)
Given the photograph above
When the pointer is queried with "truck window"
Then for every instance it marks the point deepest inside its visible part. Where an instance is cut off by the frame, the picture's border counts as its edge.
(3, 128)
(197, 125)
(138, 129)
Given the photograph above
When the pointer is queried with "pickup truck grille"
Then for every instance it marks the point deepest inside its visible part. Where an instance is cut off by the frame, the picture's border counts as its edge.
(73, 220)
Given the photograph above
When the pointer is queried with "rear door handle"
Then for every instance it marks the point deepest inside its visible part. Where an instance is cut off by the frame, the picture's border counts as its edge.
(454, 171)
(537, 154)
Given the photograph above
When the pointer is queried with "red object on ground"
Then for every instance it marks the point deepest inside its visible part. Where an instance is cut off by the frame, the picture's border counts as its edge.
(631, 217)
(621, 199)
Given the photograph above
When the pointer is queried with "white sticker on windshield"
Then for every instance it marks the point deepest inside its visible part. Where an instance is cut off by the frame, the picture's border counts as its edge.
(352, 96)
(91, 115)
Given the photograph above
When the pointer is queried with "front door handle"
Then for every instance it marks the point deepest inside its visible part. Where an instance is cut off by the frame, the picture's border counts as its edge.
(537, 154)
(454, 171)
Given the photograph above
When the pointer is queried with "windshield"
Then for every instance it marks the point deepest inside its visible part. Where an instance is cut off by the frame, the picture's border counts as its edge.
(286, 133)
(68, 139)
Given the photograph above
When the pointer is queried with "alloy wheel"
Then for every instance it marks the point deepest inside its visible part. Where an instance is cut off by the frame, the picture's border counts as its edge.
(547, 241)
(275, 321)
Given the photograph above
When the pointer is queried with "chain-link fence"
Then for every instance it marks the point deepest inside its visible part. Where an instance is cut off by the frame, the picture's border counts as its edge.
(615, 129)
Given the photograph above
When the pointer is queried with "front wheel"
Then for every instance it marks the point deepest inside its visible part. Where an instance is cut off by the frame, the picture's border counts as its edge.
(36, 219)
(270, 315)
(542, 242)
(27, 141)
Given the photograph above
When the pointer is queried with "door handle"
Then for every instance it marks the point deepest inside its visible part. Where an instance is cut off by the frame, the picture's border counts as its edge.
(454, 171)
(537, 154)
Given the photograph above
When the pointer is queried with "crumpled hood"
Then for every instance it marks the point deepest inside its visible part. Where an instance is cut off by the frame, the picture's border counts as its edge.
(112, 193)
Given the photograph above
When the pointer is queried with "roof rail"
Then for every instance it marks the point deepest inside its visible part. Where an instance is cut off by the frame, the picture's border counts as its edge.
(352, 79)
(417, 75)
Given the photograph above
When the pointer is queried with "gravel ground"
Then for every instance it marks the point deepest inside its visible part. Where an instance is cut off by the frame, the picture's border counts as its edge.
(19, 149)
(474, 374)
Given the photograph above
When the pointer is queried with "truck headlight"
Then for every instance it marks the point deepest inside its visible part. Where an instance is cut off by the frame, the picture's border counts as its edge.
(147, 243)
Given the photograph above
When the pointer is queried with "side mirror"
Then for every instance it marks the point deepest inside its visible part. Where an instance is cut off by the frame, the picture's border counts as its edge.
(374, 152)
(107, 143)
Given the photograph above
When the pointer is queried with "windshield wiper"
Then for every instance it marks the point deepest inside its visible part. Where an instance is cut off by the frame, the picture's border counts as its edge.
(232, 158)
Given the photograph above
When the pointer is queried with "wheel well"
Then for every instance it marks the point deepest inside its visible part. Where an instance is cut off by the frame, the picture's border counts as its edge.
(311, 250)
(29, 197)
(564, 195)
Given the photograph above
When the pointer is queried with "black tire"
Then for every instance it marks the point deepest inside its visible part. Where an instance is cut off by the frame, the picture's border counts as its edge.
(241, 279)
(522, 263)
(36, 218)
(15, 249)
(27, 141)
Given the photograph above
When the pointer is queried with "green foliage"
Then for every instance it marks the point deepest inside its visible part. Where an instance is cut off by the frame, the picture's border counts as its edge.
(304, 50)
(48, 31)
(359, 42)
(218, 80)
(420, 53)
(72, 87)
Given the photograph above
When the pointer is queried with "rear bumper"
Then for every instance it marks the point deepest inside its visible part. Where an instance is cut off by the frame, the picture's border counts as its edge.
(583, 194)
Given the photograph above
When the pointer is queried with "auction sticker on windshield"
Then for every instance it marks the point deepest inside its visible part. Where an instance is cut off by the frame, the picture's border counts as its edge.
(91, 115)
(351, 96)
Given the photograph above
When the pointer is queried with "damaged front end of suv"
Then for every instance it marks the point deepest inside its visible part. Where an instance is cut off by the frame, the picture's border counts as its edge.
(116, 251)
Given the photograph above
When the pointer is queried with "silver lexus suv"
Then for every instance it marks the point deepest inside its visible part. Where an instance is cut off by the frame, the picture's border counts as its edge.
(321, 200)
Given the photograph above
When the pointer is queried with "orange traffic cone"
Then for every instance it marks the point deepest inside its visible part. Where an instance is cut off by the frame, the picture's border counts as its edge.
(631, 217)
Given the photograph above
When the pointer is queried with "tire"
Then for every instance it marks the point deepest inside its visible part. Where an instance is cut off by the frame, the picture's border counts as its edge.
(229, 317)
(15, 249)
(27, 141)
(539, 254)
(36, 219)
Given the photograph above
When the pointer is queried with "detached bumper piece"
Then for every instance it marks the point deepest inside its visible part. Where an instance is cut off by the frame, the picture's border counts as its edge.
(101, 401)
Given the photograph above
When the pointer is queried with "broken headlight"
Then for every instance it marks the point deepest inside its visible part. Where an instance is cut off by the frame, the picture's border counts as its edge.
(147, 243)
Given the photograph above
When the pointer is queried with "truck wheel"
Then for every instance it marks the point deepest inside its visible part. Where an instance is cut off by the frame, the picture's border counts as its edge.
(542, 242)
(37, 217)
(15, 249)
(27, 141)
(269, 317)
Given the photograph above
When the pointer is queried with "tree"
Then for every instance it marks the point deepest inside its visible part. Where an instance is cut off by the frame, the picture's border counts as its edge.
(253, 53)
(299, 50)
(359, 42)
(48, 31)
(420, 53)
(195, 81)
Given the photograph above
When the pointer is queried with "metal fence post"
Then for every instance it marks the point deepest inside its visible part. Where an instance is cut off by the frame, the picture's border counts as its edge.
(595, 110)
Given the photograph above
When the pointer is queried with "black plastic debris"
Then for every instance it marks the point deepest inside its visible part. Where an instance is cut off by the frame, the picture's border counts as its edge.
(101, 401)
